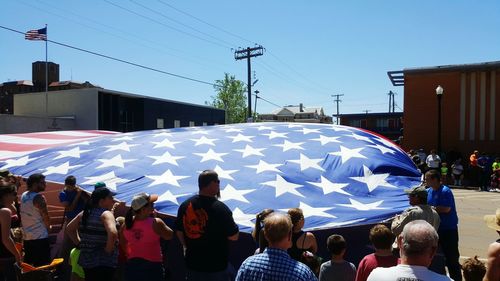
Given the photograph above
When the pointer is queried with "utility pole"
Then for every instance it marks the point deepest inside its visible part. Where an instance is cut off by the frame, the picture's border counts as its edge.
(366, 111)
(392, 103)
(247, 54)
(255, 108)
(337, 100)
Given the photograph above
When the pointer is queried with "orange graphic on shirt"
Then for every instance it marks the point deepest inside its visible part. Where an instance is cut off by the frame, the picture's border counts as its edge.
(194, 222)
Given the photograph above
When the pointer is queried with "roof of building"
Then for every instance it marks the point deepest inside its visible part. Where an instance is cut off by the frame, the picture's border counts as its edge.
(294, 109)
(397, 77)
(19, 82)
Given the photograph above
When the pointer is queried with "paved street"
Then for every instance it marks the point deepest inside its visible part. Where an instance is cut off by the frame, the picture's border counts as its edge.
(471, 207)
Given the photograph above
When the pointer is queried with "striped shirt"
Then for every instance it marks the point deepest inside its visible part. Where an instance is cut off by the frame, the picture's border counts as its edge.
(274, 265)
(93, 241)
(33, 225)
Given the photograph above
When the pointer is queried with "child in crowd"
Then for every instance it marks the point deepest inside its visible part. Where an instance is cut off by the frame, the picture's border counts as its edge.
(473, 269)
(382, 238)
(444, 173)
(457, 170)
(337, 268)
(495, 175)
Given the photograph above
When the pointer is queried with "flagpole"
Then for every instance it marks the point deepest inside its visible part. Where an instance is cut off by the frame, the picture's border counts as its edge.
(46, 75)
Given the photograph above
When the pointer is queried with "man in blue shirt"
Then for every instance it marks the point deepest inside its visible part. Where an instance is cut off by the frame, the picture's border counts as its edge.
(441, 197)
(73, 199)
(275, 263)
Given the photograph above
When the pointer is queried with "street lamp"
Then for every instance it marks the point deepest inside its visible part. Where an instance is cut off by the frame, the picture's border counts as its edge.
(439, 94)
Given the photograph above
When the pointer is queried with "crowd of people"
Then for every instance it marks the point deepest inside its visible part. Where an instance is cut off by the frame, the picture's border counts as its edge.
(482, 170)
(99, 245)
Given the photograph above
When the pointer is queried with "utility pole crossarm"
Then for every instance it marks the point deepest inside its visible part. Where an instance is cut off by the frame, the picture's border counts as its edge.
(247, 54)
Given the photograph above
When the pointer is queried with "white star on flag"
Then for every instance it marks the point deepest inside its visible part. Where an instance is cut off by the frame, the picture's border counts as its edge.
(241, 137)
(340, 128)
(166, 158)
(264, 166)
(383, 149)
(168, 196)
(199, 132)
(346, 153)
(116, 161)
(124, 138)
(18, 162)
(224, 174)
(233, 130)
(122, 146)
(326, 140)
(162, 134)
(166, 143)
(204, 140)
(110, 179)
(167, 177)
(282, 186)
(61, 169)
(307, 131)
(262, 127)
(287, 145)
(315, 211)
(211, 155)
(306, 163)
(229, 192)
(272, 135)
(329, 187)
(362, 138)
(372, 181)
(250, 151)
(363, 207)
(74, 153)
(242, 218)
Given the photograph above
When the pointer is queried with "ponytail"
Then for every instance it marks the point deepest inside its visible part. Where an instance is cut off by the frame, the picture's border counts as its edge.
(129, 218)
(86, 213)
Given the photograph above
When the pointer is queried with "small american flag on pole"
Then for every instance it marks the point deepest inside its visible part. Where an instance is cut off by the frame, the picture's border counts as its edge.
(36, 34)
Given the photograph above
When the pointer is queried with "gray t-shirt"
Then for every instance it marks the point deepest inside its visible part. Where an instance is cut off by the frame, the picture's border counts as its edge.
(338, 271)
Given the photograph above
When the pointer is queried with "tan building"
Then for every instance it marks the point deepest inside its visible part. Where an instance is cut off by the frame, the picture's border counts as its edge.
(297, 113)
(469, 102)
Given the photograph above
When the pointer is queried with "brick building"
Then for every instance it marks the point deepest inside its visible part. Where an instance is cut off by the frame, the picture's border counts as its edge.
(387, 124)
(469, 103)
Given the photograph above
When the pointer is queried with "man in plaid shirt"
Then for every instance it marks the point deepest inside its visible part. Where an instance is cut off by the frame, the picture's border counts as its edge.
(275, 263)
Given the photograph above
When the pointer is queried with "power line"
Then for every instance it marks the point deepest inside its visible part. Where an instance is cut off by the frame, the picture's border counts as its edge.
(119, 60)
(158, 47)
(180, 23)
(260, 97)
(166, 25)
(205, 22)
(318, 86)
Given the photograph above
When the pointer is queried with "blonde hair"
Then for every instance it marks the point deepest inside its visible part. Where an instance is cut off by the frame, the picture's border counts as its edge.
(277, 226)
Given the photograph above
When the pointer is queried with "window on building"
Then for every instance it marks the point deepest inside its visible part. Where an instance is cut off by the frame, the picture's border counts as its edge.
(191, 124)
(160, 123)
(177, 123)
(354, 123)
(363, 123)
(382, 123)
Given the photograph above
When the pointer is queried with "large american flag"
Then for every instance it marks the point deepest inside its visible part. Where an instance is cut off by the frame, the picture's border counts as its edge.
(16, 145)
(36, 34)
(339, 176)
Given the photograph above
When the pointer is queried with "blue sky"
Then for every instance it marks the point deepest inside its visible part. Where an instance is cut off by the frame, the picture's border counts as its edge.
(313, 48)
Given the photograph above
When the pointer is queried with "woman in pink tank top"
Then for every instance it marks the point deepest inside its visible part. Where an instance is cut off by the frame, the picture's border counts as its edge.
(141, 239)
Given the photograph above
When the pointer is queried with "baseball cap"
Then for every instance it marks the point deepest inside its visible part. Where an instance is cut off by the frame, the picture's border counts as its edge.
(99, 184)
(5, 173)
(420, 191)
(142, 199)
(101, 193)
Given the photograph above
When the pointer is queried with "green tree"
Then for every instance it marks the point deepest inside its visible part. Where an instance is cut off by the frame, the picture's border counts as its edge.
(231, 96)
